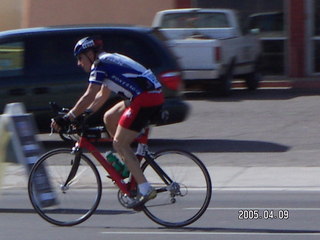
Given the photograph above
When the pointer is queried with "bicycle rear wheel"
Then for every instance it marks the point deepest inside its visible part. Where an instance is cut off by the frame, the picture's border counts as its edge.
(184, 191)
(60, 201)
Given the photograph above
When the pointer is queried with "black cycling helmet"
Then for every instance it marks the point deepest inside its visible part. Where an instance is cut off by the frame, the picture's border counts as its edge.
(84, 44)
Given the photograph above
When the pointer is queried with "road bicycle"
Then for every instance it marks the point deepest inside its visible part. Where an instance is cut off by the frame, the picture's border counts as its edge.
(65, 186)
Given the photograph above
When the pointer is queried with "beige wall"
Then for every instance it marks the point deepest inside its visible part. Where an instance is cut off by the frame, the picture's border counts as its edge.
(59, 12)
(34, 13)
(10, 14)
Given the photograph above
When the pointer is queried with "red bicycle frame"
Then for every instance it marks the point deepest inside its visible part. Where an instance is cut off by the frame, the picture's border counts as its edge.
(85, 143)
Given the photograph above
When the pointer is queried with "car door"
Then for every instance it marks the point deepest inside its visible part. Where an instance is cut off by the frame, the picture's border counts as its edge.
(52, 72)
(12, 68)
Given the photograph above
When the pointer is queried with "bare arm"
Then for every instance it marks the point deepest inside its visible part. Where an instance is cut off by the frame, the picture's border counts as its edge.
(86, 100)
(100, 99)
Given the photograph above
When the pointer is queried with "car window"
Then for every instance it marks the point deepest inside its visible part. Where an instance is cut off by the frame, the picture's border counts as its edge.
(133, 46)
(51, 55)
(54, 55)
(11, 59)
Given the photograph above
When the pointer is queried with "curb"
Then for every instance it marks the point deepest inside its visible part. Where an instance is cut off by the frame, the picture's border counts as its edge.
(307, 83)
(283, 84)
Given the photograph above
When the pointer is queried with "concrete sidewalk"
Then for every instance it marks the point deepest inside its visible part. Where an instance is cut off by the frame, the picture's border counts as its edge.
(266, 178)
(223, 178)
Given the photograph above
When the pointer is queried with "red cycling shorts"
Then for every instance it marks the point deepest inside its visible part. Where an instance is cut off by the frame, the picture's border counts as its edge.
(141, 110)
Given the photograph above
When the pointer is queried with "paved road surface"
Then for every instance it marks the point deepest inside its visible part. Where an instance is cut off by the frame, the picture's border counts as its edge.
(225, 218)
(262, 150)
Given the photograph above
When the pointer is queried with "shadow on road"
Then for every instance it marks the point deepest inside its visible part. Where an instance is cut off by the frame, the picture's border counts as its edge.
(77, 211)
(223, 230)
(195, 145)
(260, 94)
(218, 145)
(248, 230)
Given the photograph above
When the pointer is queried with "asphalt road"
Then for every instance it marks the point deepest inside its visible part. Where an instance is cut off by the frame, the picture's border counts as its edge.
(262, 151)
(269, 128)
(282, 215)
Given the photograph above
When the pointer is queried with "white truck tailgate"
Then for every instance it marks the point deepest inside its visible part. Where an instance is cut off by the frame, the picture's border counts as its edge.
(194, 53)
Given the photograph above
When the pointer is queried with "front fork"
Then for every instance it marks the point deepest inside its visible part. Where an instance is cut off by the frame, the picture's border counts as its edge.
(75, 163)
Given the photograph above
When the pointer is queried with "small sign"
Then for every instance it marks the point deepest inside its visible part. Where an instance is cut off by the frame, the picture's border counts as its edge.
(27, 149)
(4, 144)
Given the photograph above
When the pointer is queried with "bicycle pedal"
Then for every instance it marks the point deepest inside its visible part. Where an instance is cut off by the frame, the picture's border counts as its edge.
(139, 208)
(133, 193)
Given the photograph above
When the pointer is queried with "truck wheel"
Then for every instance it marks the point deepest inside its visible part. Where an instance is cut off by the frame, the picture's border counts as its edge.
(253, 79)
(225, 85)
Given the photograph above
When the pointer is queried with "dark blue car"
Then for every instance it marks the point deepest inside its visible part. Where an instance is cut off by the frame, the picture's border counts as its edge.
(37, 66)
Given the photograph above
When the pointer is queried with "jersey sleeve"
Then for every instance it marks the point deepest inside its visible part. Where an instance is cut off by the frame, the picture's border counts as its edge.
(97, 76)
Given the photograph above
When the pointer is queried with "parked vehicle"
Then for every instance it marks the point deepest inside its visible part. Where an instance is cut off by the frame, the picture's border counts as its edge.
(37, 66)
(211, 46)
(270, 28)
(268, 24)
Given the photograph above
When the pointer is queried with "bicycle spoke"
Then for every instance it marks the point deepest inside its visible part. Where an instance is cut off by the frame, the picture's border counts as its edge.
(75, 191)
(186, 197)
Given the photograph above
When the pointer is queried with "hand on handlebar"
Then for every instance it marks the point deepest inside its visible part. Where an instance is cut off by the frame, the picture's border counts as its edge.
(61, 123)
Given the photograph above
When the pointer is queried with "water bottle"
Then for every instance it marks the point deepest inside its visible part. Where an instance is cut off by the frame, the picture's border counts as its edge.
(125, 172)
(117, 164)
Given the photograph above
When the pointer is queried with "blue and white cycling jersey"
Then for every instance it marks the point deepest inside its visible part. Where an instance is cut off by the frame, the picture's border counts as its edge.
(122, 75)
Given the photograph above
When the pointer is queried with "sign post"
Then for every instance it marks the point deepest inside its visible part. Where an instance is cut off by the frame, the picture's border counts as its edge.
(26, 147)
(4, 142)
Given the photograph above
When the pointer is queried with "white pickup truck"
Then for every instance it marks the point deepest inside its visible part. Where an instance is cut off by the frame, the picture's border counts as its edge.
(211, 47)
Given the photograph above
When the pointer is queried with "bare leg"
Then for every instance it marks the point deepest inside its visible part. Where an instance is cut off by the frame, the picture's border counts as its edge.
(122, 144)
(122, 139)
(112, 116)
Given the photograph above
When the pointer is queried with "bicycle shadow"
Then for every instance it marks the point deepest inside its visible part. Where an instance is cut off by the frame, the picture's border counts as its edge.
(76, 211)
(208, 230)
(218, 145)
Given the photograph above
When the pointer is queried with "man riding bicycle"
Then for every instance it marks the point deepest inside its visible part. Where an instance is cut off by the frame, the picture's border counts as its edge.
(112, 72)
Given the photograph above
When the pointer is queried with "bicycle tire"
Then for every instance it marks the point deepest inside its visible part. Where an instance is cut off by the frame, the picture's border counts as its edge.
(186, 199)
(59, 204)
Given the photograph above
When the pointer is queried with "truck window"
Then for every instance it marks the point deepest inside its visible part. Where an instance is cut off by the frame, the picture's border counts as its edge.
(195, 20)
(269, 24)
(11, 59)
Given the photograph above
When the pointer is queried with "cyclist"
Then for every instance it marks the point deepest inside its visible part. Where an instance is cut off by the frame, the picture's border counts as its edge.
(142, 91)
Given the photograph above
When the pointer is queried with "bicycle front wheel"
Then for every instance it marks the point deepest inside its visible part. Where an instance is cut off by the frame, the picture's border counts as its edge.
(183, 187)
(64, 188)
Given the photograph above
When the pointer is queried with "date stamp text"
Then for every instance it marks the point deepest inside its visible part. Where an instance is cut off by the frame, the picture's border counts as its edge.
(260, 214)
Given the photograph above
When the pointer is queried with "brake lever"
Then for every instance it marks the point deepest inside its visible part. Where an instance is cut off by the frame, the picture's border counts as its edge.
(64, 111)
(57, 109)
(51, 128)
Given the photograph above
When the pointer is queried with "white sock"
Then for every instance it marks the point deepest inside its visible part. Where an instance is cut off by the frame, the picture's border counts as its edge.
(144, 188)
